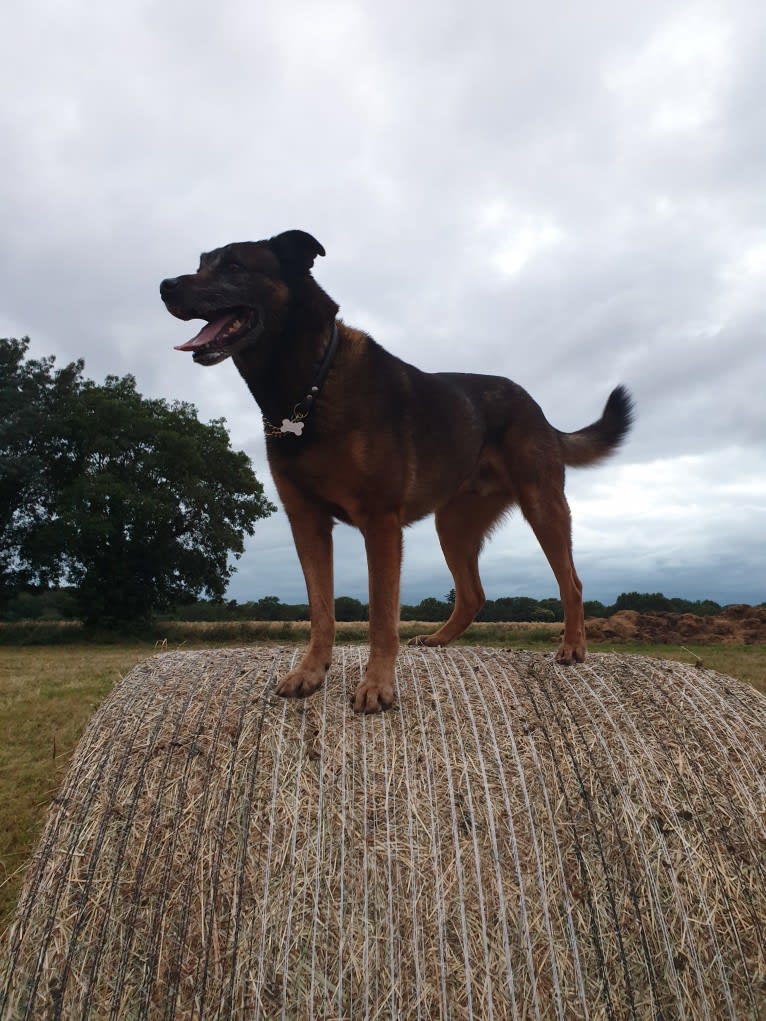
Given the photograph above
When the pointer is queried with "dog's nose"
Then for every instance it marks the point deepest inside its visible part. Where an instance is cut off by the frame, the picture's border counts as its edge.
(168, 285)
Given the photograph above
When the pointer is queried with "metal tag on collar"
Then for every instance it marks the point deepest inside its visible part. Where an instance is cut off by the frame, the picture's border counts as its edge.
(291, 426)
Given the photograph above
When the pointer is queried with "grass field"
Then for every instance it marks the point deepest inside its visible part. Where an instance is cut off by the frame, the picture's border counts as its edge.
(48, 693)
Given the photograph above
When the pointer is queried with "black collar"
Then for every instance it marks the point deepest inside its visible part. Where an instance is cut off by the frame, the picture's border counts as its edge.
(303, 407)
(294, 424)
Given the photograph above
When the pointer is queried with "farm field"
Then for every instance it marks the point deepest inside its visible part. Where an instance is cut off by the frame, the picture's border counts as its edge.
(48, 693)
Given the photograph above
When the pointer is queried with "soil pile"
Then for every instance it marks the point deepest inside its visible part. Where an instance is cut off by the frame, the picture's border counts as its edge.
(736, 625)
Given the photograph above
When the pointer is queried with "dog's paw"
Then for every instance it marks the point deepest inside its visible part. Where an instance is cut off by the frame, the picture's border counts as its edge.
(373, 696)
(429, 641)
(569, 653)
(301, 682)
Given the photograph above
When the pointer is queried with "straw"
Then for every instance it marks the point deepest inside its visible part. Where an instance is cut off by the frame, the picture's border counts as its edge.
(512, 840)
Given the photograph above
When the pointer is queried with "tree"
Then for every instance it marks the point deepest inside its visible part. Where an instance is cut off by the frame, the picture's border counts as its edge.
(156, 505)
(431, 609)
(348, 608)
(33, 400)
(519, 608)
(144, 505)
(595, 608)
(644, 602)
(267, 608)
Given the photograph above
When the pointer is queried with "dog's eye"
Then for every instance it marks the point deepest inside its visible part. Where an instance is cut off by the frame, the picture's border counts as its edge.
(236, 266)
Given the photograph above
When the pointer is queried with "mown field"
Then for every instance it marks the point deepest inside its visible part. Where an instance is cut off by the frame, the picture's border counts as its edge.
(48, 693)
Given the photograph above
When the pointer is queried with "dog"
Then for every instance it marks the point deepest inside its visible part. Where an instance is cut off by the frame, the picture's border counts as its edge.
(355, 434)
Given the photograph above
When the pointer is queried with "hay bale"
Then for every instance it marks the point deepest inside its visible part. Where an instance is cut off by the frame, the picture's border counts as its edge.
(514, 840)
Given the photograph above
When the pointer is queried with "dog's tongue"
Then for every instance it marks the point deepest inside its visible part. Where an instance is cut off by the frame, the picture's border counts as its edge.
(208, 332)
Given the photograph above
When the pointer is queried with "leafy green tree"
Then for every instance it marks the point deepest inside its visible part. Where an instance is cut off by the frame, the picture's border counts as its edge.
(33, 399)
(595, 608)
(550, 609)
(347, 608)
(519, 608)
(42, 604)
(134, 502)
(267, 608)
(156, 505)
(701, 607)
(643, 602)
(432, 609)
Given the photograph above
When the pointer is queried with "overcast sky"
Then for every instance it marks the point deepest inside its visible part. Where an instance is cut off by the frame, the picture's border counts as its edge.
(569, 194)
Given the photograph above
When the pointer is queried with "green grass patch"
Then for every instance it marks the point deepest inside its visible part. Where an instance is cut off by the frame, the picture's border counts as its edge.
(746, 662)
(47, 695)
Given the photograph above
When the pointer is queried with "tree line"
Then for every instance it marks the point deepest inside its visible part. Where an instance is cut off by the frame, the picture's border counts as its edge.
(505, 609)
(62, 604)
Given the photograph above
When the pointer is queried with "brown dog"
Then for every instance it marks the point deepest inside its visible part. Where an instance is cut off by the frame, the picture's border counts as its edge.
(354, 433)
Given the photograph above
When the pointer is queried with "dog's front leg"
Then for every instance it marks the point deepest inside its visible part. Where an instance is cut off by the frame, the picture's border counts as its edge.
(383, 542)
(312, 531)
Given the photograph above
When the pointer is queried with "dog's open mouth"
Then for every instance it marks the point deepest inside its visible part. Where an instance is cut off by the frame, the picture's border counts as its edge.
(221, 337)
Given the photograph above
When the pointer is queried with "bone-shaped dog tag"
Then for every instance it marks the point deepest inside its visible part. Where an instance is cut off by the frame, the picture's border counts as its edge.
(288, 426)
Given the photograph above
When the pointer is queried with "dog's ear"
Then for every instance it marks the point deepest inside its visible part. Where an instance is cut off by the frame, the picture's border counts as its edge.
(296, 250)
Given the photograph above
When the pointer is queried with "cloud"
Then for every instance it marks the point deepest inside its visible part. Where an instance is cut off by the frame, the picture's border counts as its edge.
(568, 196)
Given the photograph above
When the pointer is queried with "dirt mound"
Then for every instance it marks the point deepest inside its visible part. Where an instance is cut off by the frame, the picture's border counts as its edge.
(736, 625)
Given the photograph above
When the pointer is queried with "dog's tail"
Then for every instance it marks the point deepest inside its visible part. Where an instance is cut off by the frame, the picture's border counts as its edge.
(598, 440)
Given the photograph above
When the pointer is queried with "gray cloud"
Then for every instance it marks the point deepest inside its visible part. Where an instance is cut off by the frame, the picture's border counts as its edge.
(569, 196)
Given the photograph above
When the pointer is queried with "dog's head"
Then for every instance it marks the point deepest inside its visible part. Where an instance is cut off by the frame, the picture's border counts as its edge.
(238, 290)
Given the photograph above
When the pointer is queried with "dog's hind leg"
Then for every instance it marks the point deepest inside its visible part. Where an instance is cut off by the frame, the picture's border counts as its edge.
(546, 509)
(462, 526)
(312, 530)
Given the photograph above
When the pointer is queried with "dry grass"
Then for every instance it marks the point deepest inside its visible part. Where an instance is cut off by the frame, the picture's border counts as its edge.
(513, 841)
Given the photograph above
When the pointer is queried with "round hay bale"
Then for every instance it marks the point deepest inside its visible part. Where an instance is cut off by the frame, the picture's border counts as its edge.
(513, 840)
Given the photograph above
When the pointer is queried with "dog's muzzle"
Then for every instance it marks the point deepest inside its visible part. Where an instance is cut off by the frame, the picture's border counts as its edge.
(226, 332)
